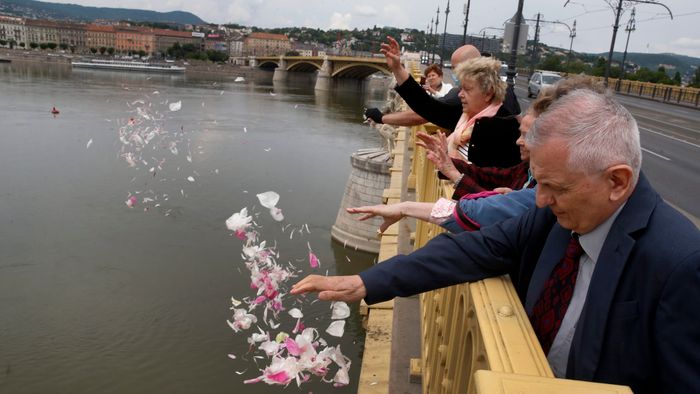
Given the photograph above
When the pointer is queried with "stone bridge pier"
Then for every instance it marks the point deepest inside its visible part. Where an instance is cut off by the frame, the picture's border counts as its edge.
(323, 78)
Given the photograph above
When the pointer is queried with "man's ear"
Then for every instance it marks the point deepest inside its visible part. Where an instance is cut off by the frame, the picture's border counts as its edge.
(619, 178)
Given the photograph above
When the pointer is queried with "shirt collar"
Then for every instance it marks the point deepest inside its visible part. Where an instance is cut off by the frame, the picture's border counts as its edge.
(592, 242)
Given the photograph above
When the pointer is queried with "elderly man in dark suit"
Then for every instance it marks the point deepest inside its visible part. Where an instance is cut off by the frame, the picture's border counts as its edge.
(608, 272)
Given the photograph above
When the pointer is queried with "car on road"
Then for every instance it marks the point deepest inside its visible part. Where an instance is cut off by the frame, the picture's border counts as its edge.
(539, 80)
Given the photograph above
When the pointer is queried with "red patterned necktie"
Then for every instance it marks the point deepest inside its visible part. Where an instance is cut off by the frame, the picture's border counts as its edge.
(550, 308)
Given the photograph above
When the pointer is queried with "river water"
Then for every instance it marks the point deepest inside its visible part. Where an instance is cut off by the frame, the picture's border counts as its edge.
(99, 297)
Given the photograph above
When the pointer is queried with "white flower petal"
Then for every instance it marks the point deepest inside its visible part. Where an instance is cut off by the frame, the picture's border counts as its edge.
(337, 328)
(176, 106)
(296, 313)
(268, 199)
(340, 310)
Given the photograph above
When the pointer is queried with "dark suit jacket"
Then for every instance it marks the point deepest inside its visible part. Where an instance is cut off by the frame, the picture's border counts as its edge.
(640, 325)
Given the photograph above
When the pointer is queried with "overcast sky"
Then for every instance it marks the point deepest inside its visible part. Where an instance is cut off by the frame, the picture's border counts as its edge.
(656, 32)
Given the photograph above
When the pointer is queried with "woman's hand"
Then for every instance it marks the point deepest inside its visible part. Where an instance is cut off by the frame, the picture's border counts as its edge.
(391, 213)
(436, 147)
(392, 53)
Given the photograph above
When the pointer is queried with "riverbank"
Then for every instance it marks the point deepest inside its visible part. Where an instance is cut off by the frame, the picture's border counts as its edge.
(192, 66)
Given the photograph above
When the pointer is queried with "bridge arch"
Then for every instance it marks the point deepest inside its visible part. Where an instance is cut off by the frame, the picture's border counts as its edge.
(358, 70)
(303, 66)
(268, 64)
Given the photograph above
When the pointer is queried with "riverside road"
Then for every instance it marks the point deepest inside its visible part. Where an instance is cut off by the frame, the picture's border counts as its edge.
(670, 137)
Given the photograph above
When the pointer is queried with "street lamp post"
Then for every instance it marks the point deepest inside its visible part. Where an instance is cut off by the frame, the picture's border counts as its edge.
(572, 35)
(444, 35)
(618, 12)
(437, 21)
(510, 74)
(629, 29)
(466, 22)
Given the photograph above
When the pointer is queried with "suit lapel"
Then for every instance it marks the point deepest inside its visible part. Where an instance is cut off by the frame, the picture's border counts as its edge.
(554, 249)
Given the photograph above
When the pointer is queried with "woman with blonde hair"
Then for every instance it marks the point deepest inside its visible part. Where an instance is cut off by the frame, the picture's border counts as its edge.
(485, 135)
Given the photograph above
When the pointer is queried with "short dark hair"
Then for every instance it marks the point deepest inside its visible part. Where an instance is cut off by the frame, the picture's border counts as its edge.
(433, 68)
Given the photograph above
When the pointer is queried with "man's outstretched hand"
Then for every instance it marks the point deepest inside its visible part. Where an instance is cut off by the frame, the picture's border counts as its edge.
(348, 288)
(375, 114)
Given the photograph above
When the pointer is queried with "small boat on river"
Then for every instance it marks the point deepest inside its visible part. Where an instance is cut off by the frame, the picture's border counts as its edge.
(128, 65)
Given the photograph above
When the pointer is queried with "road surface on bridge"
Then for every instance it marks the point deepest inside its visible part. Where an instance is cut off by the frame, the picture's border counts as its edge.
(670, 137)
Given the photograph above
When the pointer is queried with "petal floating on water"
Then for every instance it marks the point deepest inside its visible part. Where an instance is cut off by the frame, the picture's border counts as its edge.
(176, 106)
(190, 178)
(296, 313)
(337, 328)
(88, 144)
(313, 260)
(340, 310)
(268, 199)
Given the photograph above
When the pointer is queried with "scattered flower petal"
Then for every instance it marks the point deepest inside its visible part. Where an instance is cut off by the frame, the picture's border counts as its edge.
(88, 144)
(339, 310)
(268, 199)
(176, 106)
(337, 328)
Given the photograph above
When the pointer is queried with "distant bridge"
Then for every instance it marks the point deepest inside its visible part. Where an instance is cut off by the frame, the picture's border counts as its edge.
(328, 67)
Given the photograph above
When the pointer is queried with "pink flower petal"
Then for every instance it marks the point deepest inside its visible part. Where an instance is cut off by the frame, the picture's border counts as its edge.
(292, 347)
(313, 260)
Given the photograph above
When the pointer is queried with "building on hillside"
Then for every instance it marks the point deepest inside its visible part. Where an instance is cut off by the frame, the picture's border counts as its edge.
(134, 39)
(235, 45)
(100, 36)
(216, 42)
(13, 29)
(167, 38)
(304, 49)
(266, 44)
(43, 31)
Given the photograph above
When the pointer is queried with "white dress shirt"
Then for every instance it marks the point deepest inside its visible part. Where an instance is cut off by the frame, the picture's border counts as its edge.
(592, 243)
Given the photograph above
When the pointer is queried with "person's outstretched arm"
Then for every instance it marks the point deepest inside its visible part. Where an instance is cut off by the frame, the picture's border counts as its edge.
(392, 213)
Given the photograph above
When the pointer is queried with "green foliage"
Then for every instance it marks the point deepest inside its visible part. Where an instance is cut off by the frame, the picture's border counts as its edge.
(103, 50)
(646, 75)
(51, 45)
(43, 46)
(63, 46)
(677, 78)
(292, 53)
(142, 53)
(190, 51)
(110, 51)
(21, 44)
(93, 50)
(3, 42)
(695, 81)
(33, 45)
(551, 62)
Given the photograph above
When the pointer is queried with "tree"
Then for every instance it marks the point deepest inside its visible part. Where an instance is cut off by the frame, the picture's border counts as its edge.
(43, 46)
(551, 63)
(21, 44)
(3, 42)
(292, 53)
(33, 45)
(93, 50)
(63, 46)
(695, 82)
(110, 51)
(677, 78)
(103, 50)
(142, 53)
(51, 45)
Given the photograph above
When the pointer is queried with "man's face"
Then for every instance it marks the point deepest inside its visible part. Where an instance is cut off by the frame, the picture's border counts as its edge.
(580, 202)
